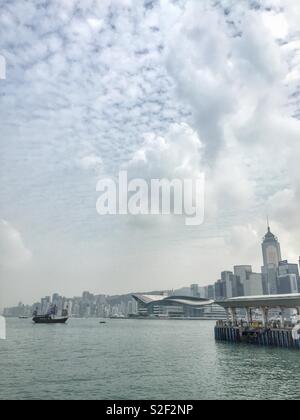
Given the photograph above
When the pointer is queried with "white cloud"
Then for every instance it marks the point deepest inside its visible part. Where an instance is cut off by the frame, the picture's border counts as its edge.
(231, 71)
(177, 154)
(277, 24)
(90, 162)
(13, 251)
(96, 24)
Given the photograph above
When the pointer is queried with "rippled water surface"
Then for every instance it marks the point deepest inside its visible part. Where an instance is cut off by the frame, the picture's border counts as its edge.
(130, 359)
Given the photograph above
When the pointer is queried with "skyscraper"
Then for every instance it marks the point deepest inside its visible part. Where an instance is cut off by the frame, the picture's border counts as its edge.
(288, 278)
(253, 285)
(271, 257)
(271, 249)
(195, 290)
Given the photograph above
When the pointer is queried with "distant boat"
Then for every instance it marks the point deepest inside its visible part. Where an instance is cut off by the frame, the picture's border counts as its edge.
(102, 322)
(46, 319)
(23, 317)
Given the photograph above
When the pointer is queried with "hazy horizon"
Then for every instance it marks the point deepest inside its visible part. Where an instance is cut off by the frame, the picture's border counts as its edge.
(160, 89)
(124, 291)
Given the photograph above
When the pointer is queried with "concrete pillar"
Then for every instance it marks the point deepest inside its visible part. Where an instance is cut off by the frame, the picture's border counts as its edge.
(282, 317)
(233, 315)
(227, 314)
(265, 313)
(249, 315)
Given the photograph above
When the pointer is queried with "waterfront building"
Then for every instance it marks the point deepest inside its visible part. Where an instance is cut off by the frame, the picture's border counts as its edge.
(177, 307)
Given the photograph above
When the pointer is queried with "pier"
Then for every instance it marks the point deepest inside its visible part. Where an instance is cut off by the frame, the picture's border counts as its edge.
(265, 331)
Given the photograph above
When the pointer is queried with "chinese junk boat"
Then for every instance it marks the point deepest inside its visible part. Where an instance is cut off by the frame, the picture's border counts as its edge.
(51, 317)
(47, 319)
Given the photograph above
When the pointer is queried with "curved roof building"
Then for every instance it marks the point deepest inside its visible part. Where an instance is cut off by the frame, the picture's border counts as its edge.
(186, 300)
(162, 306)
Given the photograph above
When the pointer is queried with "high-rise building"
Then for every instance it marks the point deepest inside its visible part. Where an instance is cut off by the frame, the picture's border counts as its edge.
(45, 304)
(195, 290)
(271, 258)
(269, 277)
(286, 268)
(271, 249)
(241, 271)
(237, 287)
(253, 285)
(202, 292)
(288, 278)
(210, 292)
(287, 283)
(220, 290)
(227, 279)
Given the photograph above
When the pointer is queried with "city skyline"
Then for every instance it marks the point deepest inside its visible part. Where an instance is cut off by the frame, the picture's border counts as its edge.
(277, 276)
(97, 87)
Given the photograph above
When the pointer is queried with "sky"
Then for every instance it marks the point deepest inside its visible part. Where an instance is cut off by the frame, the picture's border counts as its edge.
(168, 88)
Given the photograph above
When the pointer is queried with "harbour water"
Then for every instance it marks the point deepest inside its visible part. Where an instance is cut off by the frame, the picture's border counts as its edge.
(131, 359)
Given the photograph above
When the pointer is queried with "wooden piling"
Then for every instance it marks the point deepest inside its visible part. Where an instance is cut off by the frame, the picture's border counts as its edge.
(262, 337)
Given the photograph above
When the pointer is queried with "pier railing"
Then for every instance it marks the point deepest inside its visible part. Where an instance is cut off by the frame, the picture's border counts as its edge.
(275, 325)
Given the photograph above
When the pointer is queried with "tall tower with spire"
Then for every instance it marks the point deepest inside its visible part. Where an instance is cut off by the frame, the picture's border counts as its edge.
(271, 249)
(271, 257)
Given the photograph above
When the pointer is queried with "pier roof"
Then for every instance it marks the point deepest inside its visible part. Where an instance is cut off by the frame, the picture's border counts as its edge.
(270, 301)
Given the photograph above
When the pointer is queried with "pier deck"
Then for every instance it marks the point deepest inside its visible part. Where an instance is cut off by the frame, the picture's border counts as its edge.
(258, 336)
(280, 333)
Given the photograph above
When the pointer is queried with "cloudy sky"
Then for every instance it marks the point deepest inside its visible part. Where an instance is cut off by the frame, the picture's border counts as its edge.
(162, 88)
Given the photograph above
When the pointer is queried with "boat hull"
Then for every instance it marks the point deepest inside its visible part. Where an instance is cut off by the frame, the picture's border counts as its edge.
(48, 320)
